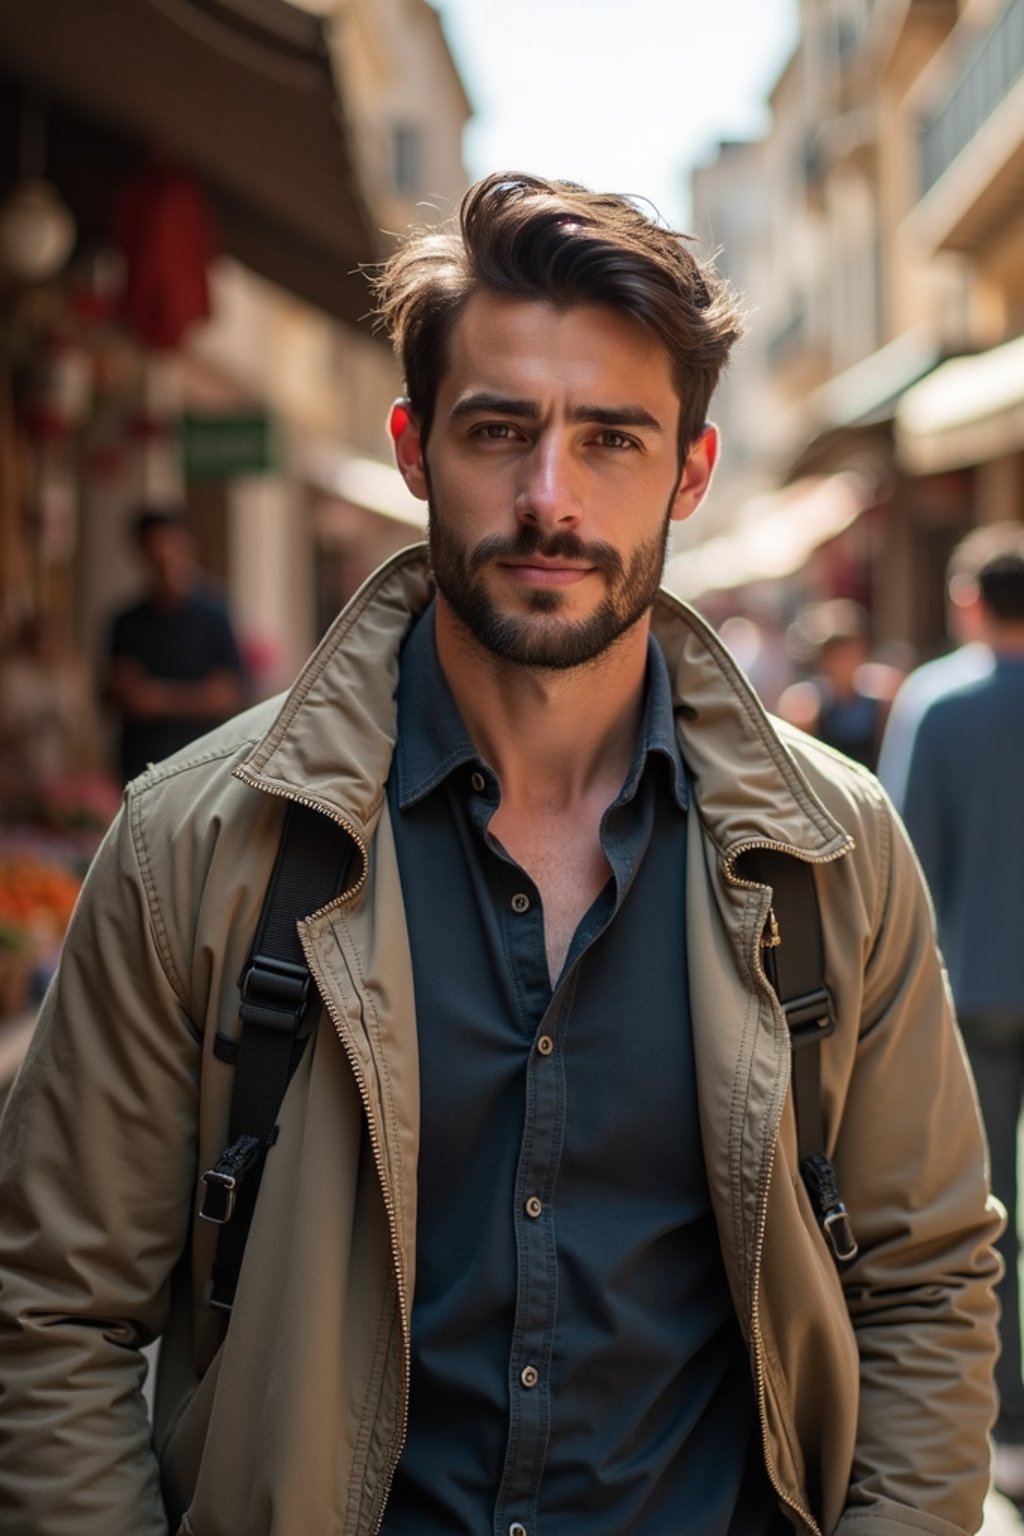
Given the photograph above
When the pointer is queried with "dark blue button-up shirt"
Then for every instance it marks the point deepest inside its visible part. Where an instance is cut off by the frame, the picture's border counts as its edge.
(576, 1361)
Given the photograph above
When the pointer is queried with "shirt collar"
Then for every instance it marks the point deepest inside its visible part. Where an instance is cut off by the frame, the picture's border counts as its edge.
(433, 741)
(657, 731)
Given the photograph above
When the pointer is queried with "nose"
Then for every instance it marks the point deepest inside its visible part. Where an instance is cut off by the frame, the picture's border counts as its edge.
(548, 492)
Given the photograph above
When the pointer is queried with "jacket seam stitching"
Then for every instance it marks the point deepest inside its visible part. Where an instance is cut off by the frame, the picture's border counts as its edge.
(385, 1327)
(381, 1064)
(163, 948)
(161, 773)
(885, 863)
(740, 1100)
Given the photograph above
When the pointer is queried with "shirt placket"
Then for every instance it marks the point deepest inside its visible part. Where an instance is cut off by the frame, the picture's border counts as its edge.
(529, 1370)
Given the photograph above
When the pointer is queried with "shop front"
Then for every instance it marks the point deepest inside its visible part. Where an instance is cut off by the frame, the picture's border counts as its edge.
(145, 152)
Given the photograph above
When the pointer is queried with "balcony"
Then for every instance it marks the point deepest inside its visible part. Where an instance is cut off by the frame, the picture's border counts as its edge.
(971, 144)
(794, 354)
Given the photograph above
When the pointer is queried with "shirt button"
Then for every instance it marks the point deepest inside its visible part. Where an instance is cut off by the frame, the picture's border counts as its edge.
(545, 1045)
(520, 902)
(515, 1529)
(478, 782)
(529, 1376)
(534, 1206)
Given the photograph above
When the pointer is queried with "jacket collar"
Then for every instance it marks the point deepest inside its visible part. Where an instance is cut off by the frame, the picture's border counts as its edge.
(332, 741)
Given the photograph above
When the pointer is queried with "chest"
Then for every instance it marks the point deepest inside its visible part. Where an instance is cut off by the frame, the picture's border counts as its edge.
(566, 861)
(614, 1076)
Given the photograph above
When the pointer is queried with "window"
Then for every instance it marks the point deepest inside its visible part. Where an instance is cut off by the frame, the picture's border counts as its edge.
(406, 159)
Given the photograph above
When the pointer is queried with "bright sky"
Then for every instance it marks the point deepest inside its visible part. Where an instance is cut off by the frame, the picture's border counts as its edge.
(622, 95)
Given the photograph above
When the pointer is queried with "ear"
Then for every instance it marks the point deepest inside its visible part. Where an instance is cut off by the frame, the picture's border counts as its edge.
(696, 476)
(405, 434)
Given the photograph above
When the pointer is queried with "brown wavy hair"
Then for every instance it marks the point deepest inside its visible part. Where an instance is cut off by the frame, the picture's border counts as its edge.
(558, 242)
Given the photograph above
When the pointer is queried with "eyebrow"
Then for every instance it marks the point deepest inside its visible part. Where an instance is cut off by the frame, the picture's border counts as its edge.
(529, 410)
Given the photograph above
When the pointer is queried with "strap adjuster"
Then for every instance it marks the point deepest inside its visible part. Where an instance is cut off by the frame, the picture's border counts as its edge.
(223, 1179)
(839, 1232)
(274, 992)
(810, 1017)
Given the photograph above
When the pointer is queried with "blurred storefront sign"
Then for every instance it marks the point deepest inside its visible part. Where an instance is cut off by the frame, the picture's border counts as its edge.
(970, 410)
(221, 446)
(774, 535)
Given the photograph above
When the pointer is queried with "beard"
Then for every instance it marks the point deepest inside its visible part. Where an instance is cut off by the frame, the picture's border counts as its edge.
(543, 638)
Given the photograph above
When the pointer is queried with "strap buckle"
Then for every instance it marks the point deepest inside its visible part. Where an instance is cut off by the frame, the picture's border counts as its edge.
(223, 1179)
(839, 1232)
(274, 992)
(810, 1017)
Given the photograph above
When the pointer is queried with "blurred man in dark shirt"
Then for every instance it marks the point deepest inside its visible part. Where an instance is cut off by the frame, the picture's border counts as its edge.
(175, 666)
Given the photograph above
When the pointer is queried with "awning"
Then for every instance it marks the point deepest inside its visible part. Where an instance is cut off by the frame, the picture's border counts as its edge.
(366, 483)
(969, 410)
(772, 537)
(868, 392)
(241, 91)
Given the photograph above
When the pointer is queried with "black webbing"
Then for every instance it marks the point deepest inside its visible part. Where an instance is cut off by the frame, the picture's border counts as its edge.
(796, 968)
(794, 960)
(278, 999)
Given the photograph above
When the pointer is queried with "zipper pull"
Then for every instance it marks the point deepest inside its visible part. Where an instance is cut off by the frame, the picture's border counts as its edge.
(772, 937)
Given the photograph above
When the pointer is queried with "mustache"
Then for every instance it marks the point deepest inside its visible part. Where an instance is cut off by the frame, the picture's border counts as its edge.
(558, 546)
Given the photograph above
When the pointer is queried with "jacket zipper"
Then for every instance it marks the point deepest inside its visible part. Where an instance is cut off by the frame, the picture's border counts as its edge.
(336, 904)
(773, 939)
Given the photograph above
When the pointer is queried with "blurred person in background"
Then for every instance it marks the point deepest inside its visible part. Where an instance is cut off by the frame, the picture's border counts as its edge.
(759, 645)
(972, 658)
(964, 809)
(844, 702)
(175, 668)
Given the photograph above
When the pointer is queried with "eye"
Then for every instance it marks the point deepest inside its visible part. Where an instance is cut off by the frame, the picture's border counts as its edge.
(619, 441)
(494, 431)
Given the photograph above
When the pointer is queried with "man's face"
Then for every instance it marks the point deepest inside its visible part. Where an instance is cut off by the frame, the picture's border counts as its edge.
(167, 552)
(552, 474)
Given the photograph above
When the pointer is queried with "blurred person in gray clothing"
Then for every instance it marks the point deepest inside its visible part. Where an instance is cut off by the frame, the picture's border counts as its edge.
(971, 658)
(964, 809)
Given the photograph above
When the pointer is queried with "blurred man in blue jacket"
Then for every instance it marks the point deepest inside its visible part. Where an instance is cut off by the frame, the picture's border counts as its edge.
(964, 808)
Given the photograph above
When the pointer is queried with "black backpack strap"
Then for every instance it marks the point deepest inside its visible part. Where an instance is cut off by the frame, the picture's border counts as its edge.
(794, 961)
(277, 1002)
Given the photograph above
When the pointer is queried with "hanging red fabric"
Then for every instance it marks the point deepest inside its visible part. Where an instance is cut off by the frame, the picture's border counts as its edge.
(165, 233)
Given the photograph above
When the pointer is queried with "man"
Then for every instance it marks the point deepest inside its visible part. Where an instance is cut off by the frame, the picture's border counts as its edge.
(175, 668)
(970, 659)
(835, 701)
(532, 1253)
(965, 812)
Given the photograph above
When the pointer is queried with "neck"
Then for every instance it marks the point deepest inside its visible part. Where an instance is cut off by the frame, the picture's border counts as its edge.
(1006, 638)
(554, 738)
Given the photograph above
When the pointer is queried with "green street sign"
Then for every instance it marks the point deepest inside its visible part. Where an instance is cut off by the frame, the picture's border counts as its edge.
(221, 446)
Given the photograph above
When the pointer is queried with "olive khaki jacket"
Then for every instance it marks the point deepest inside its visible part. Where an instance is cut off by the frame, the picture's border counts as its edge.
(874, 1390)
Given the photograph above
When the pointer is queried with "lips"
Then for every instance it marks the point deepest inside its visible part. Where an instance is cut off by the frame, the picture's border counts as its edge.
(540, 574)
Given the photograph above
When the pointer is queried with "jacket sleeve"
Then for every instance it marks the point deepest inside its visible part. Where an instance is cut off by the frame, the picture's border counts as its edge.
(912, 1163)
(97, 1163)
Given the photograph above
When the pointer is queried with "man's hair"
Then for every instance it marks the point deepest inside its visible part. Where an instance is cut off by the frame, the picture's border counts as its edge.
(992, 557)
(1001, 582)
(559, 243)
(145, 519)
